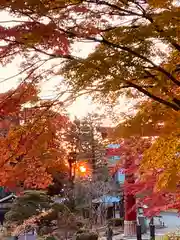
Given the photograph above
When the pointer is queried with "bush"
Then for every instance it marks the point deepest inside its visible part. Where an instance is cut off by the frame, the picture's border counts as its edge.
(80, 224)
(116, 222)
(87, 236)
(172, 236)
(50, 238)
(81, 230)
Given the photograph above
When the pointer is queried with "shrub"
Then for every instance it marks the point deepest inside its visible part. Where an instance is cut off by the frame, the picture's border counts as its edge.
(82, 230)
(50, 238)
(80, 224)
(172, 236)
(116, 222)
(87, 236)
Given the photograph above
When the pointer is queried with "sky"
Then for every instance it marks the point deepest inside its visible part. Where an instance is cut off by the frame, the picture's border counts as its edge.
(79, 108)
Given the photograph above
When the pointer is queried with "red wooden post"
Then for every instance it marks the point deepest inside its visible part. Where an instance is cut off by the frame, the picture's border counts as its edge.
(130, 215)
(129, 206)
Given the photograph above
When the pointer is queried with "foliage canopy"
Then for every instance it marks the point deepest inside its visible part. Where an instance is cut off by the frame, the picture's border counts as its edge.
(128, 34)
(32, 144)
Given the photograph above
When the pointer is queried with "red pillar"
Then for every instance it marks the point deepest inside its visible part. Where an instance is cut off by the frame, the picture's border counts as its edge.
(129, 207)
(130, 215)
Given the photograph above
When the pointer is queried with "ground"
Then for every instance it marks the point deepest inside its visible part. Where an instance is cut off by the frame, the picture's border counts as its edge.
(171, 220)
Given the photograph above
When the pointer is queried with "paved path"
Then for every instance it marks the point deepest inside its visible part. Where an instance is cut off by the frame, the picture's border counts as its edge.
(171, 220)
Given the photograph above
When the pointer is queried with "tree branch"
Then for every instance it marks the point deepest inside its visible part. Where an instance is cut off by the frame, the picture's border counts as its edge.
(127, 49)
(143, 15)
(160, 100)
(101, 2)
(157, 28)
(162, 33)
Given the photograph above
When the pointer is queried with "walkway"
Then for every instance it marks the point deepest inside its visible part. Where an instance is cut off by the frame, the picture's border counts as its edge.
(171, 220)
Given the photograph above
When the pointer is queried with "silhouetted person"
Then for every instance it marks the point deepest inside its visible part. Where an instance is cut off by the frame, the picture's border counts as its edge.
(109, 233)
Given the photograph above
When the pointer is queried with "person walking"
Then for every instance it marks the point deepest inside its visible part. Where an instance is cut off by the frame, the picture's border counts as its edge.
(109, 232)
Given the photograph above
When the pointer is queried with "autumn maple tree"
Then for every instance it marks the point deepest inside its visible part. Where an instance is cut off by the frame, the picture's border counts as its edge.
(137, 56)
(143, 181)
(154, 131)
(32, 148)
(163, 155)
(162, 125)
(159, 165)
(131, 38)
(137, 48)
